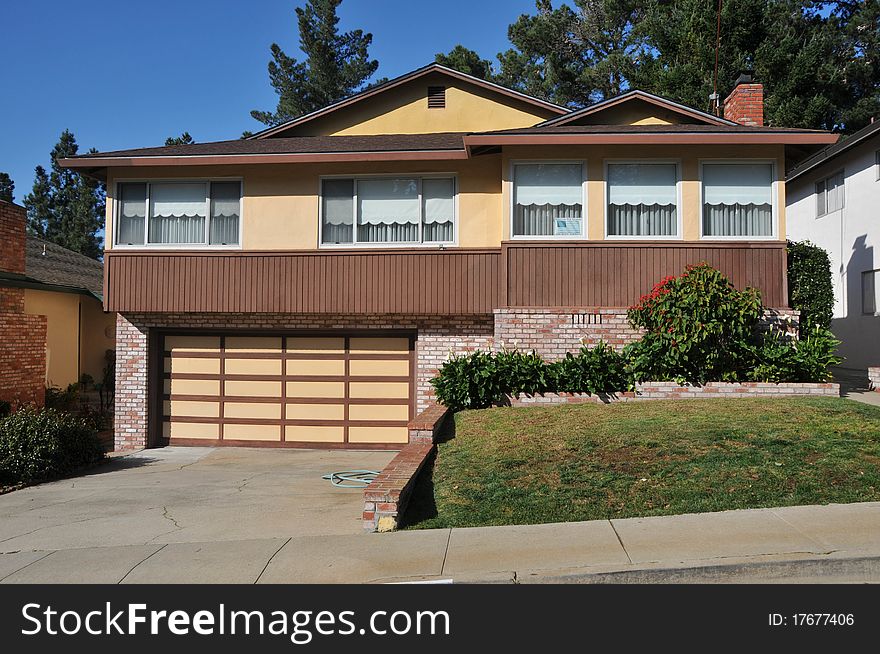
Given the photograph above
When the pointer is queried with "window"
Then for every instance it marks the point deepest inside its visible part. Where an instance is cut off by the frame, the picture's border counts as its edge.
(388, 210)
(870, 291)
(829, 194)
(642, 199)
(179, 213)
(877, 162)
(548, 199)
(738, 199)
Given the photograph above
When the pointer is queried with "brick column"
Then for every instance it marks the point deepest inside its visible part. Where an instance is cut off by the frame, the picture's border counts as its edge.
(132, 349)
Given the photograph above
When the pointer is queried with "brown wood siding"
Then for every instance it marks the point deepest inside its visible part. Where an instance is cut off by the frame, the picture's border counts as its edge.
(362, 282)
(419, 282)
(617, 274)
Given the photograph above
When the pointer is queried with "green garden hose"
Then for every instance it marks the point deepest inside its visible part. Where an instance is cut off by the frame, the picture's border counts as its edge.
(351, 478)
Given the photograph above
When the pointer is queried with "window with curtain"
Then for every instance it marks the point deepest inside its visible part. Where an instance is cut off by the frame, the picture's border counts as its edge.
(870, 291)
(179, 213)
(642, 199)
(548, 199)
(380, 210)
(830, 194)
(738, 199)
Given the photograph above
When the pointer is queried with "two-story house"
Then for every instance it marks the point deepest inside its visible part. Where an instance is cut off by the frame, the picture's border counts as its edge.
(302, 286)
(833, 201)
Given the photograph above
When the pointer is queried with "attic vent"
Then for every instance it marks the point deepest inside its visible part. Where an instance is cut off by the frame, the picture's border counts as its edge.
(436, 97)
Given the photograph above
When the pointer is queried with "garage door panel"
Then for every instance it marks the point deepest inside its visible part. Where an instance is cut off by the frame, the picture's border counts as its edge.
(246, 432)
(315, 412)
(314, 434)
(378, 434)
(252, 366)
(301, 389)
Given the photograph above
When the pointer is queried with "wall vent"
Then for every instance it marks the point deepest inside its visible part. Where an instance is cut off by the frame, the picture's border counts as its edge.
(436, 97)
(586, 319)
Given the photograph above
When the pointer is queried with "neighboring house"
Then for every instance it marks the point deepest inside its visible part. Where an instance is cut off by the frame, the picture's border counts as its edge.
(64, 287)
(301, 287)
(834, 201)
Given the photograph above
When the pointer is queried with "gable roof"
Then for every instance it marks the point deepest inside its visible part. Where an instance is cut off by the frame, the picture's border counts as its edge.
(408, 77)
(643, 96)
(51, 264)
(833, 151)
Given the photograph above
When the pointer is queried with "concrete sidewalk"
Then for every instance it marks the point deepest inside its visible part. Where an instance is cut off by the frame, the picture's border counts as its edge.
(834, 543)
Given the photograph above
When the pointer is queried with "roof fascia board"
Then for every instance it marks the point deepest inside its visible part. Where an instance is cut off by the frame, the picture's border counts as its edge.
(650, 139)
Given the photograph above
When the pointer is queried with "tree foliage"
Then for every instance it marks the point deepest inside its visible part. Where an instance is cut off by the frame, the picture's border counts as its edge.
(336, 64)
(810, 289)
(7, 187)
(467, 61)
(64, 206)
(183, 139)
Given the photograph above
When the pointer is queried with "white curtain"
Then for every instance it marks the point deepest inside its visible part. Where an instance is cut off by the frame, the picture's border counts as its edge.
(642, 200)
(338, 211)
(388, 210)
(132, 212)
(225, 211)
(177, 213)
(738, 199)
(548, 199)
(438, 211)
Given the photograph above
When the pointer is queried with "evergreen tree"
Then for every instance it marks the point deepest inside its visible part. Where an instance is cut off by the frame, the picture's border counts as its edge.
(183, 139)
(7, 187)
(64, 206)
(336, 64)
(467, 61)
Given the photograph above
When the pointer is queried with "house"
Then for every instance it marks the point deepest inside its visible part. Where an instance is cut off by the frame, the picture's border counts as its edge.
(301, 287)
(833, 200)
(54, 298)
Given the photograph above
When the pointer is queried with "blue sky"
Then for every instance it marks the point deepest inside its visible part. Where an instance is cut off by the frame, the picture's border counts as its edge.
(129, 74)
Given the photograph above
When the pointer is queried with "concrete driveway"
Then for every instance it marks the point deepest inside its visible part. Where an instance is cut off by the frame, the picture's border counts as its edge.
(244, 503)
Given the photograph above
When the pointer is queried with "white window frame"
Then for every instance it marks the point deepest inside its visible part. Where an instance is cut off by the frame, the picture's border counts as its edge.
(774, 199)
(824, 180)
(877, 164)
(372, 245)
(679, 227)
(876, 273)
(117, 206)
(512, 203)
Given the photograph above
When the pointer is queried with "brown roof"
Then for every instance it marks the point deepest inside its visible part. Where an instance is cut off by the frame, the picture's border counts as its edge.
(48, 263)
(297, 145)
(652, 129)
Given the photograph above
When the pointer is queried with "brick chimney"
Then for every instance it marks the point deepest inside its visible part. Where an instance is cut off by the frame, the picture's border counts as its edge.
(745, 104)
(12, 239)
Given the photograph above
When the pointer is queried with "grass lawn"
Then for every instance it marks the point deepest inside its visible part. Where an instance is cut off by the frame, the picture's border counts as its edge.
(585, 462)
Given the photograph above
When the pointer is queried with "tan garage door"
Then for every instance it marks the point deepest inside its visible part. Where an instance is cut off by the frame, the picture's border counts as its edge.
(331, 390)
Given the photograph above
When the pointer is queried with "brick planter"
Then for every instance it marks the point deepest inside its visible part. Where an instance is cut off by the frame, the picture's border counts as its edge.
(874, 378)
(672, 391)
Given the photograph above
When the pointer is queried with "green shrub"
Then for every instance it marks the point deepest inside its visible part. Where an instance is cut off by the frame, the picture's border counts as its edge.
(597, 370)
(5, 408)
(777, 358)
(810, 289)
(38, 444)
(697, 328)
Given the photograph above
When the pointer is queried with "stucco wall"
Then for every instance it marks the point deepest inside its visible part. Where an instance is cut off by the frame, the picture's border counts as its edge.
(851, 236)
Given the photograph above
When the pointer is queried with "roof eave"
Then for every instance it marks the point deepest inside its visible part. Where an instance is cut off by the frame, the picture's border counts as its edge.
(654, 138)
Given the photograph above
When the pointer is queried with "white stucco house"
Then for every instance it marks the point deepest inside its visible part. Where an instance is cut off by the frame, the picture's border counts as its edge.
(833, 200)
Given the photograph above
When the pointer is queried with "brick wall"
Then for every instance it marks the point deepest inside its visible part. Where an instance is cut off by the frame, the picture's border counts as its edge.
(436, 338)
(22, 336)
(12, 236)
(745, 105)
(22, 352)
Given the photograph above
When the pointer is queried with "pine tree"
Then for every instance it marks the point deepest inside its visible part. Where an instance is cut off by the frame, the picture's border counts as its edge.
(183, 139)
(336, 64)
(467, 61)
(64, 206)
(7, 187)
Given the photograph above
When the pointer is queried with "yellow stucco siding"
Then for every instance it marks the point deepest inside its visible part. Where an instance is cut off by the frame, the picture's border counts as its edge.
(78, 333)
(280, 208)
(469, 108)
(634, 112)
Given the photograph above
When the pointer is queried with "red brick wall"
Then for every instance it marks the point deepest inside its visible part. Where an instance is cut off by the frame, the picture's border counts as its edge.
(745, 105)
(12, 222)
(22, 352)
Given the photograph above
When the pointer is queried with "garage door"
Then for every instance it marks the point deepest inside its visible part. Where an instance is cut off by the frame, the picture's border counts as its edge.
(249, 390)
